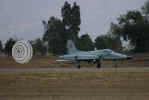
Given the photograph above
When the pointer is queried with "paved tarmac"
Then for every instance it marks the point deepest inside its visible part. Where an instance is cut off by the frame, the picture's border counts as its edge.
(70, 69)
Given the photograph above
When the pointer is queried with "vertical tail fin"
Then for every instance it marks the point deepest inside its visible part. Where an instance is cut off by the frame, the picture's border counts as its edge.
(71, 47)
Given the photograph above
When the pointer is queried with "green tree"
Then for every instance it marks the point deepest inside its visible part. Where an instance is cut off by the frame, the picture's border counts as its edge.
(145, 8)
(86, 43)
(8, 47)
(39, 48)
(134, 27)
(114, 34)
(56, 36)
(71, 19)
(57, 31)
(1, 47)
(108, 41)
(100, 42)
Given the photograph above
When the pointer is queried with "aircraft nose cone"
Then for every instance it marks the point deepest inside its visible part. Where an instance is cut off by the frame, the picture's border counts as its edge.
(124, 56)
(120, 56)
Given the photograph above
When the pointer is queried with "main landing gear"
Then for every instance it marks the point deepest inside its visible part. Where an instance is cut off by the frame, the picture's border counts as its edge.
(98, 64)
(78, 64)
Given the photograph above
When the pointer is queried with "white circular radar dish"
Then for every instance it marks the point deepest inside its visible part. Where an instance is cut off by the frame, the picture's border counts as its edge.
(22, 52)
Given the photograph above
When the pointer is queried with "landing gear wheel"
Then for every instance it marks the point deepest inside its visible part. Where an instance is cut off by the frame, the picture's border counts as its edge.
(78, 64)
(98, 64)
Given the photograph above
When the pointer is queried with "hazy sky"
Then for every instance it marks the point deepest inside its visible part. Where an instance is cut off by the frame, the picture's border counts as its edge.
(22, 18)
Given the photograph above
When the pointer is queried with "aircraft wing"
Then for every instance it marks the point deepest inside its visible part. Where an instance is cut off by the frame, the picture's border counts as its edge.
(75, 57)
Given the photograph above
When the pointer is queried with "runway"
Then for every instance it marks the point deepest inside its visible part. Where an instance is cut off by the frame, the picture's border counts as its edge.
(70, 83)
(73, 68)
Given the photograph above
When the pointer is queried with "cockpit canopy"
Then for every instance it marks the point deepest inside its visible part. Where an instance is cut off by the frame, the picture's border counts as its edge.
(107, 51)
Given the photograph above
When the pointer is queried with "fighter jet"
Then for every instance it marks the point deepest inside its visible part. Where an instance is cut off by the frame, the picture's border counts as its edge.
(75, 55)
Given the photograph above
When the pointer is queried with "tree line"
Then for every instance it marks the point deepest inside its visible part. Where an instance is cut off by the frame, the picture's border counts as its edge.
(132, 26)
(59, 30)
